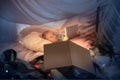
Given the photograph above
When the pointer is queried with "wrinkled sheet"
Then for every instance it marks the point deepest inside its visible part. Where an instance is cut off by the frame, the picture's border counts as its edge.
(24, 53)
(29, 55)
(82, 42)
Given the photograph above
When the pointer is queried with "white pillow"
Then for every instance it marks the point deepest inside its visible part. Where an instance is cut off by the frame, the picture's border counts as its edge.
(34, 42)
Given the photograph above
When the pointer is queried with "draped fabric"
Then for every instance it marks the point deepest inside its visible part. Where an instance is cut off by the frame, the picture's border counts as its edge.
(82, 12)
(51, 13)
(45, 11)
(109, 26)
(116, 37)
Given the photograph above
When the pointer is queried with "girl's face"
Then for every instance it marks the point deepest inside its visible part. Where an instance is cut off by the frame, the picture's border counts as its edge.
(51, 37)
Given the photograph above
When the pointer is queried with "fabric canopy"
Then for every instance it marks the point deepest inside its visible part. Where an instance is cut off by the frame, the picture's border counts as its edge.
(44, 11)
(107, 23)
(109, 26)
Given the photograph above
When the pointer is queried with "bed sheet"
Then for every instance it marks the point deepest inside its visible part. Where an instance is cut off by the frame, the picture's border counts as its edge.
(24, 53)
(83, 42)
(28, 55)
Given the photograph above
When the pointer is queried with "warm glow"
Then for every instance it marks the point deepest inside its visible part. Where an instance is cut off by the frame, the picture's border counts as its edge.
(82, 42)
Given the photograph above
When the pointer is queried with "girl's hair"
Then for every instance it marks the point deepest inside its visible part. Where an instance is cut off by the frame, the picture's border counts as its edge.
(45, 33)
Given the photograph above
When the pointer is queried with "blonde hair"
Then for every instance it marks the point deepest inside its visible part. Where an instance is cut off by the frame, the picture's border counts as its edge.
(45, 33)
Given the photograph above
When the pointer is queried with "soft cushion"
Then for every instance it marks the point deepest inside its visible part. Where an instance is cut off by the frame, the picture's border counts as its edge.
(34, 42)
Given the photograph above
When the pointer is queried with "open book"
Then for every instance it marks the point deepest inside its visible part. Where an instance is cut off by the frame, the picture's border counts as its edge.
(66, 53)
(71, 31)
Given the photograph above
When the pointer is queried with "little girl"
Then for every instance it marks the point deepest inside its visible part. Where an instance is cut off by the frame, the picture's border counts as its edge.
(49, 35)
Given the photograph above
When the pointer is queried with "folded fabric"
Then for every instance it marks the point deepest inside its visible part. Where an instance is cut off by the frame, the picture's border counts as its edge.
(34, 42)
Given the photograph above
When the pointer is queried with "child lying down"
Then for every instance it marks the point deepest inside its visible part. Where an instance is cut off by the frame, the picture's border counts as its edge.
(32, 45)
(51, 36)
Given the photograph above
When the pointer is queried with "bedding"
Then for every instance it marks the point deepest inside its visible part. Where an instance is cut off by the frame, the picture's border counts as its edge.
(34, 42)
(25, 54)
(29, 55)
(82, 42)
(30, 44)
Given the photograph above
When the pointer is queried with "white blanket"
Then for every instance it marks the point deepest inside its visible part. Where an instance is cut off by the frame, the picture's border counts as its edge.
(26, 54)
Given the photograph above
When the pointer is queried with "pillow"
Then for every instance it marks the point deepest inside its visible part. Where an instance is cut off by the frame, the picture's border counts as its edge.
(34, 42)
